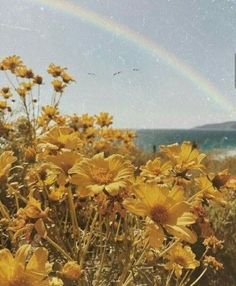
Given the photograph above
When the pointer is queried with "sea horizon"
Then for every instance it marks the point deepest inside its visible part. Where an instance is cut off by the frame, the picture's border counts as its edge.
(206, 139)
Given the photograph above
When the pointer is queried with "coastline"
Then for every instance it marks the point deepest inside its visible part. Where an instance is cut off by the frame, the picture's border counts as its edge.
(222, 154)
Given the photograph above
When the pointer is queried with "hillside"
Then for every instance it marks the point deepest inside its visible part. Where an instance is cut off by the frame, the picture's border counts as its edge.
(229, 125)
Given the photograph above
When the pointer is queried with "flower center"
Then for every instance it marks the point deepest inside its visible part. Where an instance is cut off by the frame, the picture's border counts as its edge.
(102, 176)
(156, 171)
(180, 260)
(159, 214)
(12, 66)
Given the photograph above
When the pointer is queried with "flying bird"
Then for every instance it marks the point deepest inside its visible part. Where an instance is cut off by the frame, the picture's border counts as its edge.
(116, 73)
(135, 69)
(91, 73)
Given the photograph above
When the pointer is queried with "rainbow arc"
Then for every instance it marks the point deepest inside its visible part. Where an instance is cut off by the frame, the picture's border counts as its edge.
(148, 45)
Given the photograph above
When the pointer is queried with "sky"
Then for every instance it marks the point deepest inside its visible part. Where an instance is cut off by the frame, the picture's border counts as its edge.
(184, 78)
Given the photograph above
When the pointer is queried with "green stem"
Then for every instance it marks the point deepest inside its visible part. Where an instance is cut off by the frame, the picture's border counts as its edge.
(199, 277)
(73, 216)
(85, 248)
(55, 245)
(168, 248)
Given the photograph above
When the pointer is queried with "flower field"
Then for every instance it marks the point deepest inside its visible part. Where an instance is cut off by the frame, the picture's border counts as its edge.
(81, 205)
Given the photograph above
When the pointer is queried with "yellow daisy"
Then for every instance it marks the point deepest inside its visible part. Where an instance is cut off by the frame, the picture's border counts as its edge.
(71, 270)
(155, 170)
(6, 92)
(165, 208)
(66, 77)
(22, 270)
(60, 137)
(50, 111)
(103, 119)
(3, 104)
(62, 163)
(185, 157)
(11, 63)
(102, 174)
(86, 121)
(58, 85)
(208, 191)
(180, 257)
(6, 161)
(55, 70)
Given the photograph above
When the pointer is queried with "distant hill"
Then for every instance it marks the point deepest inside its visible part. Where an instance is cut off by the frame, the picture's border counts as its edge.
(229, 125)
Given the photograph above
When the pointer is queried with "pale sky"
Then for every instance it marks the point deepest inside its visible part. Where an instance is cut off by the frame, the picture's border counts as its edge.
(200, 33)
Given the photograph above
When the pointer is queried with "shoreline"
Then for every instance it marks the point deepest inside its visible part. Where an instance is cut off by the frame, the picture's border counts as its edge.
(221, 154)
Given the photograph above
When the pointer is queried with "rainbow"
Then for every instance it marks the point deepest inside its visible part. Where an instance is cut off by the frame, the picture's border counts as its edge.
(148, 45)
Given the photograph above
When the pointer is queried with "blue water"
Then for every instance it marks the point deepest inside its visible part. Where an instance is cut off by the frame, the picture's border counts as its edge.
(207, 140)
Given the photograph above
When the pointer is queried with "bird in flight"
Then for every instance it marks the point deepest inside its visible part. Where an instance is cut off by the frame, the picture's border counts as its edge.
(116, 73)
(91, 73)
(135, 69)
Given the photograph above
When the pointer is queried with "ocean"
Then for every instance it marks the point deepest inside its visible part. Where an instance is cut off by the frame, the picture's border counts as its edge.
(207, 140)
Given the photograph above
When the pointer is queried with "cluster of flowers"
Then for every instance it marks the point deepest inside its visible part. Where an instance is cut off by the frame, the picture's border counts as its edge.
(70, 188)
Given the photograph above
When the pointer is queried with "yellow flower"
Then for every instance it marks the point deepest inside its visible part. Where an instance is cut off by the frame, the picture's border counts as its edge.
(6, 92)
(50, 111)
(155, 170)
(21, 91)
(40, 176)
(74, 122)
(61, 137)
(26, 85)
(86, 121)
(55, 70)
(207, 190)
(128, 136)
(211, 261)
(42, 121)
(101, 145)
(29, 74)
(22, 270)
(184, 157)
(154, 235)
(104, 119)
(57, 193)
(90, 132)
(165, 207)
(24, 72)
(6, 161)
(60, 120)
(180, 258)
(11, 63)
(33, 209)
(21, 71)
(109, 134)
(24, 88)
(62, 163)
(213, 242)
(102, 174)
(71, 270)
(56, 282)
(58, 85)
(27, 221)
(66, 77)
(3, 104)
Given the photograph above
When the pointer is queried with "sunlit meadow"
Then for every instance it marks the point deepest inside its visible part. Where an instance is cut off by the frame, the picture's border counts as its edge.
(80, 204)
